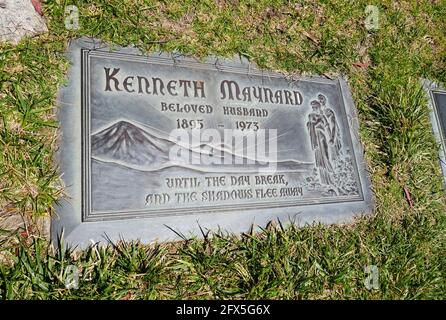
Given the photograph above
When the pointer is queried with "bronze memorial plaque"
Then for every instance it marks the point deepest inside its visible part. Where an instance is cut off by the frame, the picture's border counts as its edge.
(437, 105)
(161, 142)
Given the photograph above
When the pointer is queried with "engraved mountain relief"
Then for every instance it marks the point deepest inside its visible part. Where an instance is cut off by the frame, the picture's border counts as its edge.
(135, 147)
(128, 144)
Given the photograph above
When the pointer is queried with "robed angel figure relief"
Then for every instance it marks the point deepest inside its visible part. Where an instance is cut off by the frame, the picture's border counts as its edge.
(334, 139)
(324, 138)
(318, 128)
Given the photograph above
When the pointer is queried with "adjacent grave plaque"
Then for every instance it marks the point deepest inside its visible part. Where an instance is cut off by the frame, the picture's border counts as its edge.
(437, 104)
(156, 142)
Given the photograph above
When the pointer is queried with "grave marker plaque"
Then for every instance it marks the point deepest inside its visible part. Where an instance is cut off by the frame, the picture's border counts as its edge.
(437, 104)
(160, 142)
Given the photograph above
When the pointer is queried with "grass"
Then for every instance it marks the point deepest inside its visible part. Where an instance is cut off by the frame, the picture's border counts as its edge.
(405, 238)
